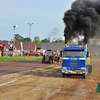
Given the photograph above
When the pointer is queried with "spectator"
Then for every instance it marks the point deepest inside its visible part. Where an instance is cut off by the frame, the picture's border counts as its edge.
(55, 59)
(58, 58)
(23, 53)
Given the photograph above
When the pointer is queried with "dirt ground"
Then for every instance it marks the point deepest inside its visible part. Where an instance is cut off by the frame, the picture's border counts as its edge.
(48, 84)
(17, 66)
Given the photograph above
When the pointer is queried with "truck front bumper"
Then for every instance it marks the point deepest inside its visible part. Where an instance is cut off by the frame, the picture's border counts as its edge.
(73, 71)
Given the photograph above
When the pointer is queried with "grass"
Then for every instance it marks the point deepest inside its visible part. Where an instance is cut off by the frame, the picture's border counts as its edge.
(45, 67)
(10, 58)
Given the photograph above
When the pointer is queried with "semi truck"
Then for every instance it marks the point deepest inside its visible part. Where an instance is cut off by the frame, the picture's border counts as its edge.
(76, 61)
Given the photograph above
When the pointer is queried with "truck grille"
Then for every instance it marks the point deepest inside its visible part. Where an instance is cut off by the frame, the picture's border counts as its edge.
(73, 63)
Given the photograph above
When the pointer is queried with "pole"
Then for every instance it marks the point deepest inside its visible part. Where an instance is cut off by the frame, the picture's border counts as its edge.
(29, 36)
(14, 40)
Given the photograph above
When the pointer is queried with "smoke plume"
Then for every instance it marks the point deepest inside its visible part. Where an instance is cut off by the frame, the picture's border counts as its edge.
(57, 31)
(82, 19)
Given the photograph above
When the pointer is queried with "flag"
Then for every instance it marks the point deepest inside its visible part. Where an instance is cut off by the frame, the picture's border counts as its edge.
(9, 43)
(55, 38)
(49, 38)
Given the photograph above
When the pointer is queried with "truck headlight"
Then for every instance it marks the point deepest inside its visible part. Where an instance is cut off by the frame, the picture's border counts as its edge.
(64, 68)
(65, 58)
(83, 67)
(82, 58)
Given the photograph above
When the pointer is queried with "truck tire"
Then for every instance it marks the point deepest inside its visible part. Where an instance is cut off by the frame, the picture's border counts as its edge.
(63, 75)
(87, 73)
(84, 75)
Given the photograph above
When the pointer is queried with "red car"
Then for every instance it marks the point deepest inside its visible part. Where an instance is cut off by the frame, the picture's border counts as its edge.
(32, 53)
(41, 54)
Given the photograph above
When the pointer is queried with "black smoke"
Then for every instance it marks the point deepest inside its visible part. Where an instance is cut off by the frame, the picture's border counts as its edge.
(82, 19)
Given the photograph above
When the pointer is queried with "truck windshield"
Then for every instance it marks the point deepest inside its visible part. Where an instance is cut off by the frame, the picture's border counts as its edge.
(72, 53)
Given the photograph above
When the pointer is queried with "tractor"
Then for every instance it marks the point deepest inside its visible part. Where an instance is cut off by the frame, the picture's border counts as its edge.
(48, 57)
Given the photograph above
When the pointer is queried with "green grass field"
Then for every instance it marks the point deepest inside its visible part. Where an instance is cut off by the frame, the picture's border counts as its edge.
(9, 58)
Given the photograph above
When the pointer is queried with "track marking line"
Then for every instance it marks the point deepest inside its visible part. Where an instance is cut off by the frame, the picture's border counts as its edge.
(8, 98)
(52, 93)
(9, 82)
(14, 80)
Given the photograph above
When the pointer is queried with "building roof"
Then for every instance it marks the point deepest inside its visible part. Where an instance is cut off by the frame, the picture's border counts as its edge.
(45, 46)
(93, 48)
(18, 45)
(53, 46)
(60, 46)
(39, 46)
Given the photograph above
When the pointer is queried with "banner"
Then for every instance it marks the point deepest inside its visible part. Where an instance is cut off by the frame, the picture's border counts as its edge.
(55, 38)
(21, 46)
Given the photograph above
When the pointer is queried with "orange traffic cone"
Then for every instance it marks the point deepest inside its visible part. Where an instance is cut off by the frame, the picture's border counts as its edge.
(31, 57)
(15, 58)
(5, 59)
(25, 57)
(38, 56)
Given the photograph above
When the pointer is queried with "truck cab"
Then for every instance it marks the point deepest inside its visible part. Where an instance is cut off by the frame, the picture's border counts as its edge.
(74, 60)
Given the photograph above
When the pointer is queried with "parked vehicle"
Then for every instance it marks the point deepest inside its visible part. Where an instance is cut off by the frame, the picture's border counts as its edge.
(32, 53)
(41, 54)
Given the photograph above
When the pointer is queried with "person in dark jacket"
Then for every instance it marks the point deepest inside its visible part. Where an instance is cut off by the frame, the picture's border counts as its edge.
(55, 59)
(58, 58)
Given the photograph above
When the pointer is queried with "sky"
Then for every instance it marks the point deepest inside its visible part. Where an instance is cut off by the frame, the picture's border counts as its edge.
(45, 14)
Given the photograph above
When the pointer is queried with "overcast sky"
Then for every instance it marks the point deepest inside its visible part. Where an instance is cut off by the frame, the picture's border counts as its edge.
(45, 14)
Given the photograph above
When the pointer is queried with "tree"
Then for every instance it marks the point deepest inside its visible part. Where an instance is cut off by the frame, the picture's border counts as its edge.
(71, 42)
(63, 41)
(18, 37)
(37, 40)
(27, 39)
(45, 41)
(59, 41)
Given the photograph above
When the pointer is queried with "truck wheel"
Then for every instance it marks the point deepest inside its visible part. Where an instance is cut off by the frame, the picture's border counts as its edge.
(50, 61)
(87, 73)
(63, 74)
(84, 75)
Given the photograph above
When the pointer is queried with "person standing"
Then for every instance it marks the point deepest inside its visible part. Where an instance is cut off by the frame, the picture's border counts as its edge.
(55, 59)
(58, 58)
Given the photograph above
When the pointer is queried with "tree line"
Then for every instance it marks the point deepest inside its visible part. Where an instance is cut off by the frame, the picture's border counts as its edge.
(38, 41)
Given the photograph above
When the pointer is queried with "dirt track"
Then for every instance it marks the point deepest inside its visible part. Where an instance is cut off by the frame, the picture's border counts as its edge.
(48, 84)
(16, 66)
